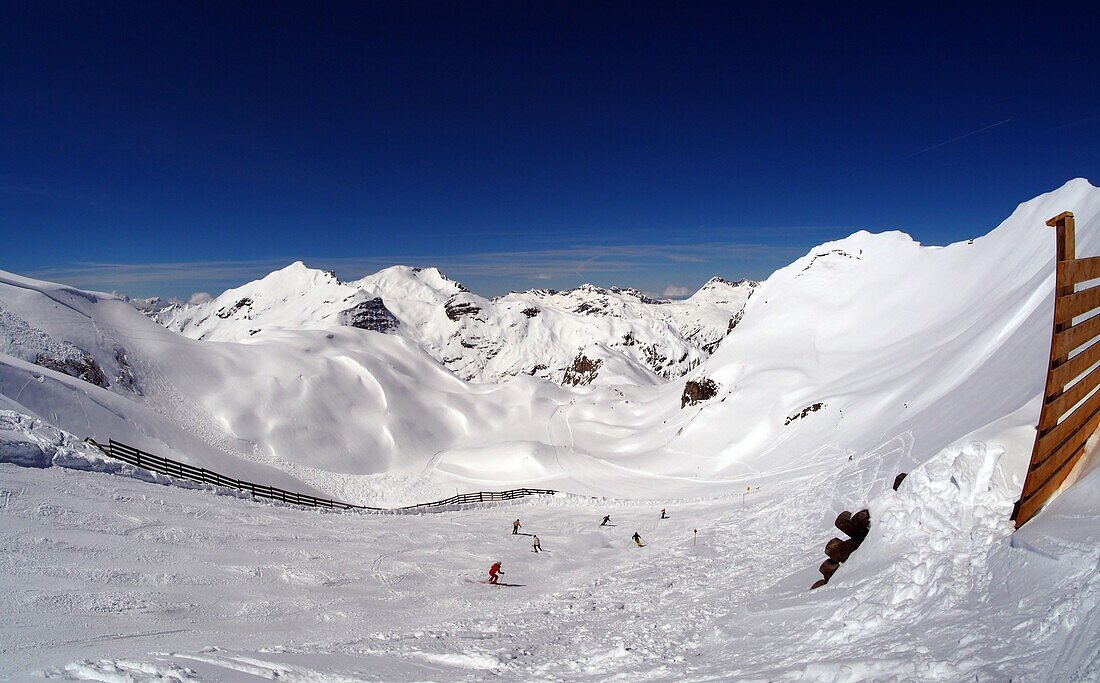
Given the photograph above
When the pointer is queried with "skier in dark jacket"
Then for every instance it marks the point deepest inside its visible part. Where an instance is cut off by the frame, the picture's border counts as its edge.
(638, 540)
(606, 520)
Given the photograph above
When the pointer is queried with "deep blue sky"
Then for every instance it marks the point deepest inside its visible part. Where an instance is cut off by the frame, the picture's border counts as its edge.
(159, 148)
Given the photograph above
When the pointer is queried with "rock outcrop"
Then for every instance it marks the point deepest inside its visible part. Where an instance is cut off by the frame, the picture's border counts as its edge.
(582, 372)
(371, 314)
(21, 339)
(697, 391)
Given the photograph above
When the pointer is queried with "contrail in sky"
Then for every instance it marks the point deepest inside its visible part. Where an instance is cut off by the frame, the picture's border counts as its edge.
(948, 142)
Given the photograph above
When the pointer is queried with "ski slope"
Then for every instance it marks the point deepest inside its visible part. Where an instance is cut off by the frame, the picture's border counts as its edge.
(869, 356)
(113, 579)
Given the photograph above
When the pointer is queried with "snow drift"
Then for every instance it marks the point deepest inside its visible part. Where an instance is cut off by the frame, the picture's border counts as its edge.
(869, 347)
(869, 356)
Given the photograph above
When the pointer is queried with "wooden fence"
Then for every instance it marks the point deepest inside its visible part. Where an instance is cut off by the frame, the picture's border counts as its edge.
(483, 497)
(175, 468)
(1071, 403)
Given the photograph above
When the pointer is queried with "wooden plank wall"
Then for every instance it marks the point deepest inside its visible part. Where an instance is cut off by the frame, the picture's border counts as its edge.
(1071, 405)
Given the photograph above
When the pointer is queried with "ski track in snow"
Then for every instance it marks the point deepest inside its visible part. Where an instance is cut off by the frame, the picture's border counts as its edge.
(170, 584)
(868, 356)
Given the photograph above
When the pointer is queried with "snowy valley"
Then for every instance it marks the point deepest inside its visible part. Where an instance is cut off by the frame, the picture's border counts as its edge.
(754, 419)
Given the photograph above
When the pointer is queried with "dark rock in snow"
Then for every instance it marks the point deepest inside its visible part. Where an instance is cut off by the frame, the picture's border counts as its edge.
(457, 308)
(818, 584)
(531, 312)
(22, 340)
(857, 526)
(582, 372)
(226, 312)
(840, 550)
(125, 372)
(735, 321)
(844, 522)
(697, 391)
(898, 479)
(804, 412)
(371, 314)
(861, 525)
(77, 364)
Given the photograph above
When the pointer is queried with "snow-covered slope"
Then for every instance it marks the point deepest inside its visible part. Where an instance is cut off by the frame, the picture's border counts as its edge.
(868, 347)
(870, 356)
(109, 579)
(614, 335)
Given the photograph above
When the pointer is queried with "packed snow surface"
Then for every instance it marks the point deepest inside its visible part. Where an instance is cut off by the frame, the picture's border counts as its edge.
(870, 356)
(118, 580)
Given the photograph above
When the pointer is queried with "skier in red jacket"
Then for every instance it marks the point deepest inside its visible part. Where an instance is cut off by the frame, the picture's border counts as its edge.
(494, 572)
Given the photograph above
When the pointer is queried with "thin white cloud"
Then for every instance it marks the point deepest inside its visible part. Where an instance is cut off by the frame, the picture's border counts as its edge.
(585, 261)
(675, 291)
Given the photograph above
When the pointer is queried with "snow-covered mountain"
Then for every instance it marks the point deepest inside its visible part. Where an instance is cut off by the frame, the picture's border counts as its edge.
(577, 337)
(862, 341)
(867, 357)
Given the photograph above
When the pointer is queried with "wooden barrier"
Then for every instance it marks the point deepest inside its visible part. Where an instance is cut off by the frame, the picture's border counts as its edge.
(1071, 402)
(175, 468)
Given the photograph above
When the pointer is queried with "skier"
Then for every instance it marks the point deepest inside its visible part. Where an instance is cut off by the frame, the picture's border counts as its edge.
(537, 545)
(494, 572)
(515, 527)
(663, 514)
(638, 540)
(606, 520)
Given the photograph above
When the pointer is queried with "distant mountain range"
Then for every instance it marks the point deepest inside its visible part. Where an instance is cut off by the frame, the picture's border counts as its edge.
(577, 337)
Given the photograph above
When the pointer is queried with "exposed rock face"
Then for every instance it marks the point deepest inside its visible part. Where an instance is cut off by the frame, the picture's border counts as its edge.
(803, 413)
(835, 253)
(371, 314)
(458, 307)
(125, 372)
(226, 312)
(640, 339)
(74, 363)
(582, 371)
(736, 319)
(734, 322)
(697, 391)
(20, 339)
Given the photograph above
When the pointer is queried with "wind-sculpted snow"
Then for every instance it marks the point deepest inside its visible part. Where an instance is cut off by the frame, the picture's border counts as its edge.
(929, 345)
(869, 356)
(538, 332)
